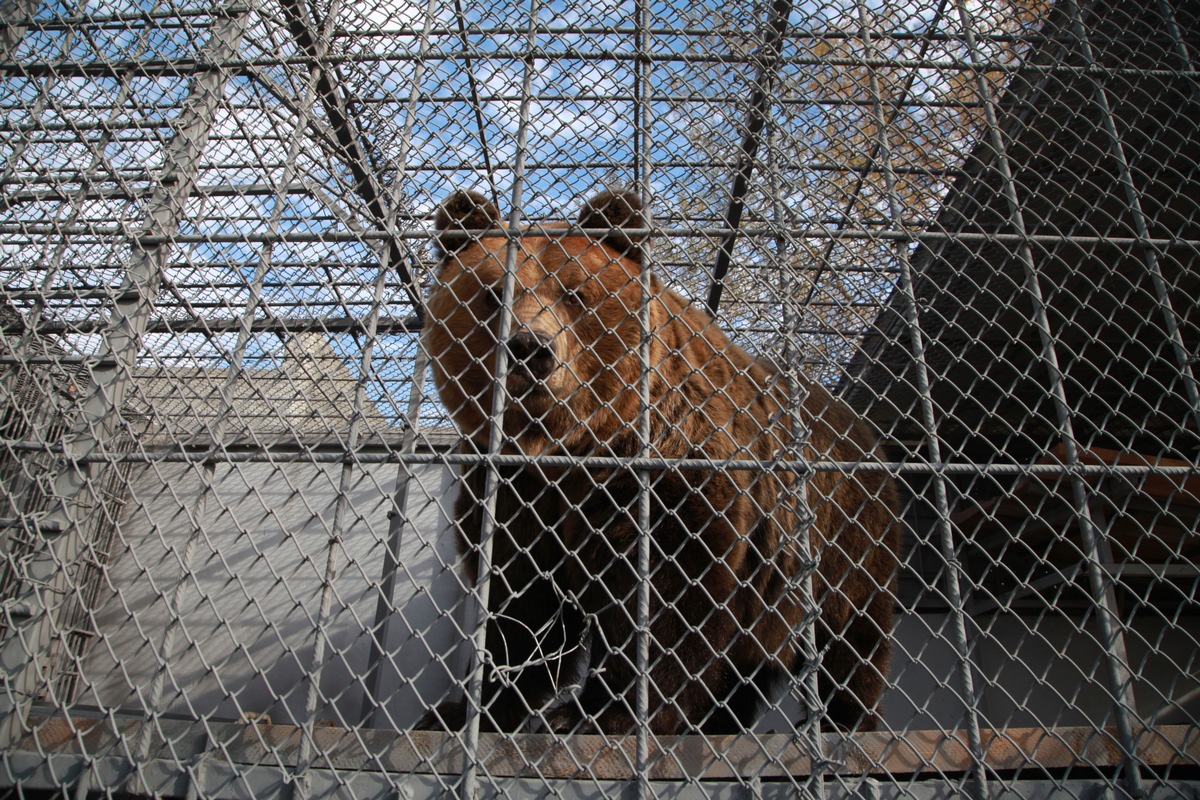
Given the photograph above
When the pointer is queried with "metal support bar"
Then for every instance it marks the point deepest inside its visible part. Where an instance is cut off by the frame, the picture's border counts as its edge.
(954, 573)
(397, 521)
(25, 351)
(196, 324)
(386, 454)
(469, 788)
(1180, 44)
(175, 66)
(10, 34)
(757, 114)
(1119, 678)
(207, 470)
(342, 519)
(870, 230)
(927, 40)
(390, 255)
(397, 517)
(476, 105)
(798, 488)
(643, 173)
(353, 148)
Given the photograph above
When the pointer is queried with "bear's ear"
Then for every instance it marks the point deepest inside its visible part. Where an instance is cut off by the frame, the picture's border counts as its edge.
(461, 213)
(620, 211)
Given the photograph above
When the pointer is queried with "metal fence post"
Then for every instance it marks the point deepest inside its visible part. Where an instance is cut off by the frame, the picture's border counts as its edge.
(945, 528)
(643, 173)
(801, 431)
(477, 621)
(1108, 623)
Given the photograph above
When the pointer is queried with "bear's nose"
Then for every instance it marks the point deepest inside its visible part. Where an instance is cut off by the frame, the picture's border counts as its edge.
(531, 351)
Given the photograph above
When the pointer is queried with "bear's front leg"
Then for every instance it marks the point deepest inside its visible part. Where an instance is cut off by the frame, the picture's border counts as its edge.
(686, 664)
(694, 554)
(534, 643)
(534, 640)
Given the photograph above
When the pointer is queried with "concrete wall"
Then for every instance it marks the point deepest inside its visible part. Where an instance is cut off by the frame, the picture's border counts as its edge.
(257, 539)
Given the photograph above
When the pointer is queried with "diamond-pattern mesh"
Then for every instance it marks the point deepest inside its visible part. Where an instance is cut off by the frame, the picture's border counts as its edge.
(600, 399)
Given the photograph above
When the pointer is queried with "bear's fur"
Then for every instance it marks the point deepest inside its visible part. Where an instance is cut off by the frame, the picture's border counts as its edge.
(726, 561)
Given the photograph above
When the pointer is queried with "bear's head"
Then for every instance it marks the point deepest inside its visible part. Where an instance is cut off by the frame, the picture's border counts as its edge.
(574, 298)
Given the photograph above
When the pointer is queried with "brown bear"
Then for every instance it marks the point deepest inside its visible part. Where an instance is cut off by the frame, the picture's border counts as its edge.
(728, 550)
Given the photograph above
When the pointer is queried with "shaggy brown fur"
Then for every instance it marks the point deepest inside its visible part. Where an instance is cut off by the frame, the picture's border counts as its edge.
(725, 562)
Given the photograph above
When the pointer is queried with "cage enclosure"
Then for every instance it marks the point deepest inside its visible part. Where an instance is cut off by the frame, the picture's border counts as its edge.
(887, 347)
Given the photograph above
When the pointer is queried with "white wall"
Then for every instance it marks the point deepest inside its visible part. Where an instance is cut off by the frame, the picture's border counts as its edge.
(251, 600)
(250, 603)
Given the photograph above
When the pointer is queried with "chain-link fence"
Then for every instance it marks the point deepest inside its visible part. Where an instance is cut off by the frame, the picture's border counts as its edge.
(589, 399)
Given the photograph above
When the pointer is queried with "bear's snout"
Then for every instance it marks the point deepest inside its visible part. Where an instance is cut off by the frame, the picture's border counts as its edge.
(532, 353)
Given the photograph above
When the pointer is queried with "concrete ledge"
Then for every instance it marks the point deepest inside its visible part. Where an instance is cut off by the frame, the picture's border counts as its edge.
(928, 754)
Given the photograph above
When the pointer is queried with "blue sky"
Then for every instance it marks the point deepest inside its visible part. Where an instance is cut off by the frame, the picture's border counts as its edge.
(267, 171)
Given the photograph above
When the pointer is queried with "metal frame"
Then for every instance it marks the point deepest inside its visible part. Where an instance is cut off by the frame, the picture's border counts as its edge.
(347, 201)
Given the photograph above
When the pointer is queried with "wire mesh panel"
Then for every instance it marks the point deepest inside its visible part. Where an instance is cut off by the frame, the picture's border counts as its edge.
(600, 399)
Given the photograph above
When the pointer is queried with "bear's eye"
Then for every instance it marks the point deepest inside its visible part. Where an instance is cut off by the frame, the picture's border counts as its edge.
(491, 295)
(573, 297)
